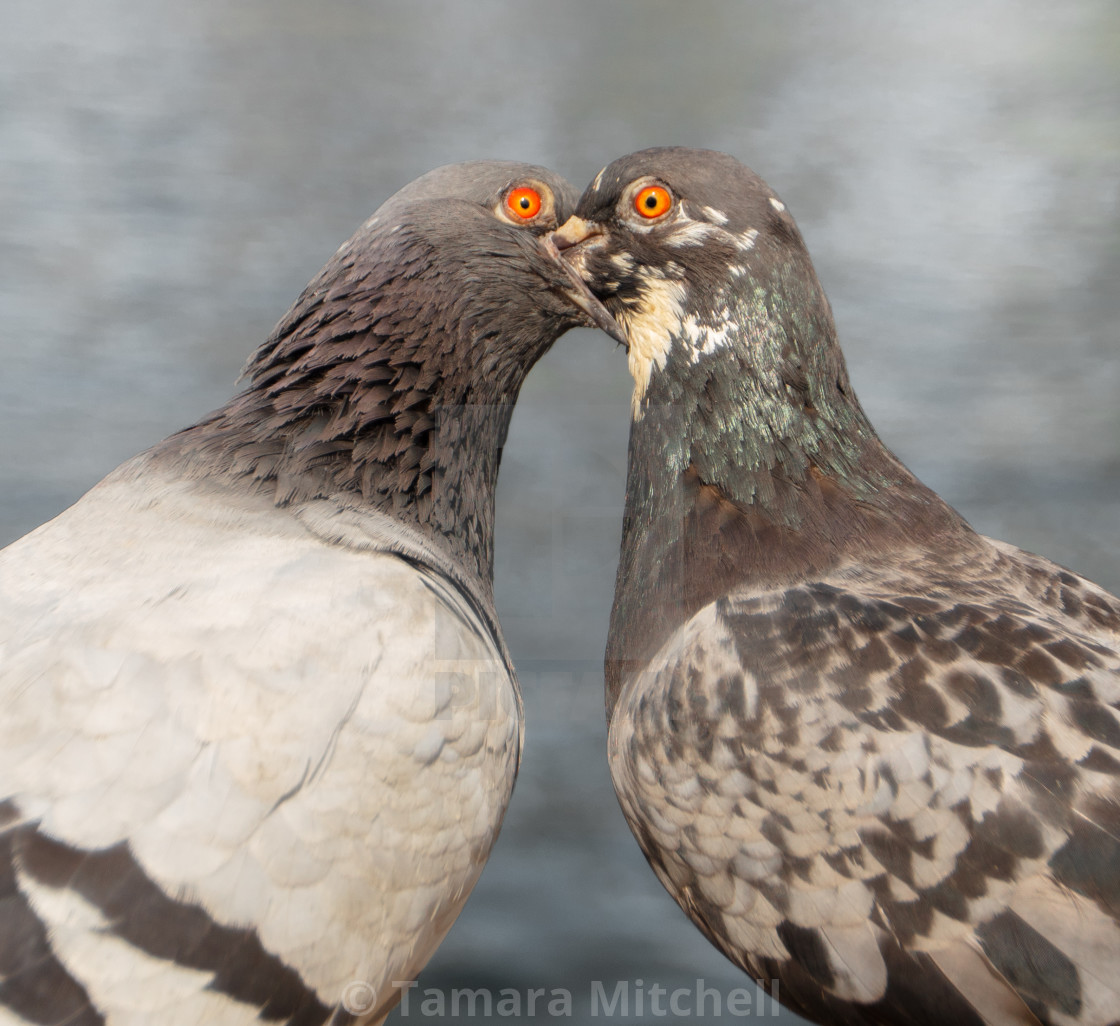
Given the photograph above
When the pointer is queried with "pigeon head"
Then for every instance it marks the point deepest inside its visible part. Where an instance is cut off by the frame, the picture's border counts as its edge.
(458, 268)
(390, 382)
(731, 343)
(489, 223)
(699, 260)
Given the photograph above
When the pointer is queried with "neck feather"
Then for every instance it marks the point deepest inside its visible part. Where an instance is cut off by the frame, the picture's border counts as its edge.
(752, 464)
(367, 394)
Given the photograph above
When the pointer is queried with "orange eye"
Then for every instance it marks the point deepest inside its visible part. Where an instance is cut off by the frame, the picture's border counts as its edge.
(524, 203)
(653, 201)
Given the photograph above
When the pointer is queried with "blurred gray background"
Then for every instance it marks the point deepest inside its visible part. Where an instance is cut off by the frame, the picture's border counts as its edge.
(171, 174)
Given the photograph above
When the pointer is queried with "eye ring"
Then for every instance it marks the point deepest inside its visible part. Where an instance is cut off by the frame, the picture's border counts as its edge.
(653, 201)
(523, 203)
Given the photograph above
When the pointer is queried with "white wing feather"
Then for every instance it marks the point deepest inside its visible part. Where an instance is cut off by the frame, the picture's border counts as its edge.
(300, 737)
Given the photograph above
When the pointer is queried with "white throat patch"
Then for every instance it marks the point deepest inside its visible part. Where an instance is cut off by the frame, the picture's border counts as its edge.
(650, 331)
(658, 325)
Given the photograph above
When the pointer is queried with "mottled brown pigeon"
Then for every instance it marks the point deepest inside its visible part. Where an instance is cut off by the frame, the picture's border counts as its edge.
(874, 755)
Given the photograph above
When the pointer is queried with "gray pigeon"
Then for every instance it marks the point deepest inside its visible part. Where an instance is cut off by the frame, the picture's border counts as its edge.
(258, 725)
(873, 755)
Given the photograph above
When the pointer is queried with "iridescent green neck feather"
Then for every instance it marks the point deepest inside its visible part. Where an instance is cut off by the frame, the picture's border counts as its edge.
(752, 463)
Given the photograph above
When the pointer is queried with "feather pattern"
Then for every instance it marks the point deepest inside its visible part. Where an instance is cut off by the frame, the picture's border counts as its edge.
(890, 762)
(872, 754)
(325, 761)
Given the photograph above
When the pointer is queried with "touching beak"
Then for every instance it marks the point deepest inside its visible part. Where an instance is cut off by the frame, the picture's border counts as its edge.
(565, 237)
(572, 232)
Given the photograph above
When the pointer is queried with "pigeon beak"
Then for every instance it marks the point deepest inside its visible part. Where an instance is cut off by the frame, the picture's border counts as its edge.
(574, 231)
(564, 238)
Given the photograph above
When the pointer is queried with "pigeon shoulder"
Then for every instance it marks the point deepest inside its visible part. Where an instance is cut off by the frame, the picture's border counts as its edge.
(905, 772)
(293, 735)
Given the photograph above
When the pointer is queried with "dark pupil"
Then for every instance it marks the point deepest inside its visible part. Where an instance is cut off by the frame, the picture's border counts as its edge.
(523, 203)
(651, 201)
